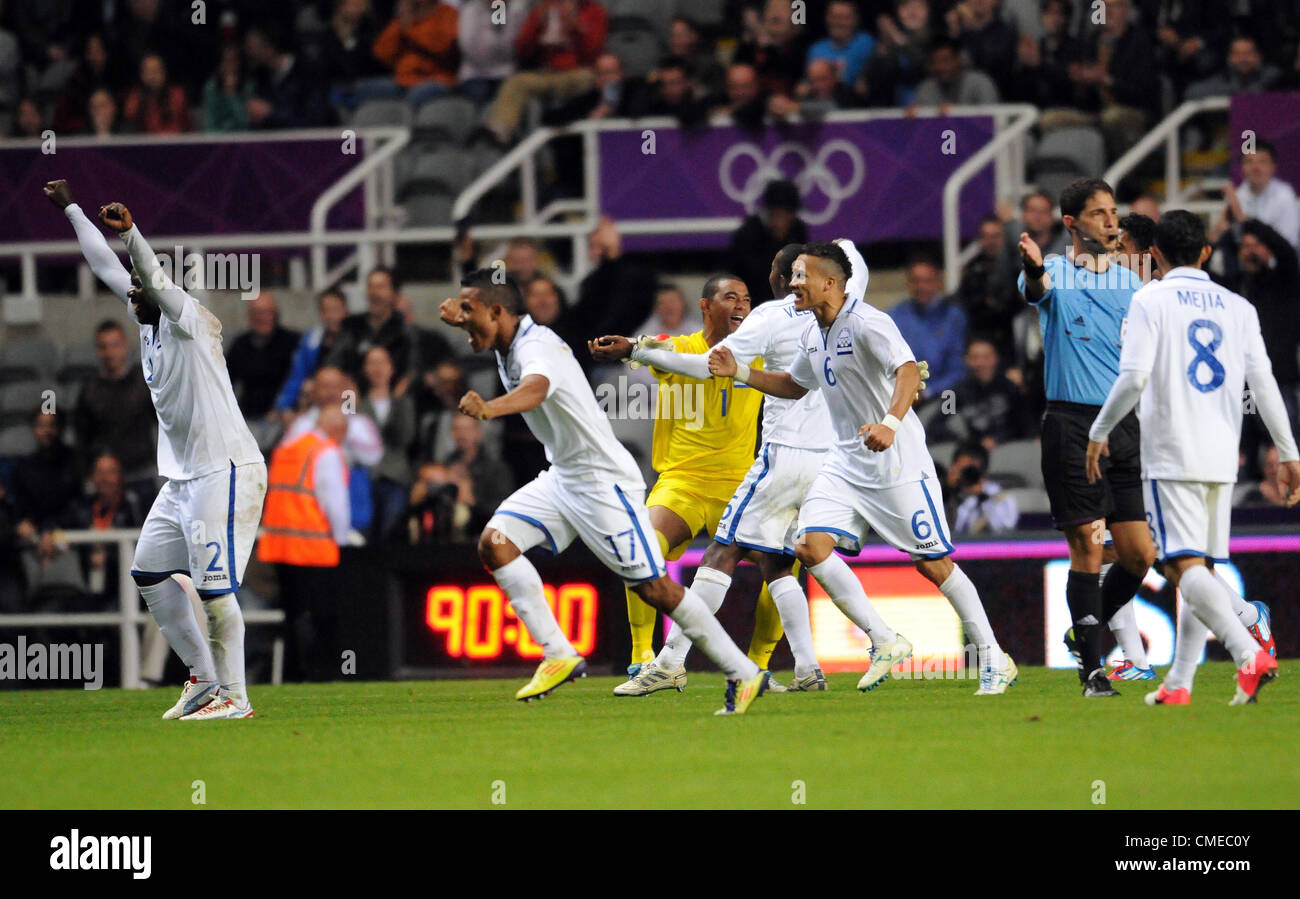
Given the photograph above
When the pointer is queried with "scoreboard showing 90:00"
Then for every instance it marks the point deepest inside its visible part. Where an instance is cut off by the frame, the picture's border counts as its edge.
(477, 621)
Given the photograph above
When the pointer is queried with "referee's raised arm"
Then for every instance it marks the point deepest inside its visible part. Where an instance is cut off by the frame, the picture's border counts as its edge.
(1037, 281)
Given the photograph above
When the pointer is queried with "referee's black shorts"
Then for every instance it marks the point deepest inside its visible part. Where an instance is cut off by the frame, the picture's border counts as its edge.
(1118, 495)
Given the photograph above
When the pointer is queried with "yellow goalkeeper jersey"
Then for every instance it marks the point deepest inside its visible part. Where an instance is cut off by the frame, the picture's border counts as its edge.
(706, 428)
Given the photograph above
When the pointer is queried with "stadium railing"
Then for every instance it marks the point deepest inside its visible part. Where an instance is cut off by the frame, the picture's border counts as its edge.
(128, 617)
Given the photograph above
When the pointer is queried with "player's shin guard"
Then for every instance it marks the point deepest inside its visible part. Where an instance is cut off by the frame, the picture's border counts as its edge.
(767, 629)
(1083, 595)
(692, 615)
(519, 581)
(1192, 634)
(170, 607)
(226, 640)
(1212, 601)
(792, 605)
(965, 600)
(711, 586)
(845, 590)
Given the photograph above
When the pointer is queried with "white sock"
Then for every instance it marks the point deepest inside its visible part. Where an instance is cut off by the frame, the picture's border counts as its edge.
(226, 640)
(520, 582)
(845, 590)
(792, 605)
(1192, 634)
(1124, 625)
(170, 607)
(1212, 602)
(709, 585)
(693, 616)
(1246, 613)
(974, 620)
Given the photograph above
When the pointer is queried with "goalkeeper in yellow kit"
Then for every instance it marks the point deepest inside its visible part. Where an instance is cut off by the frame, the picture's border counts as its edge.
(704, 437)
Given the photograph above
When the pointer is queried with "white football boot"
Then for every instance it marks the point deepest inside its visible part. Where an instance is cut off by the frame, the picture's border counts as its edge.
(994, 681)
(883, 659)
(195, 695)
(808, 683)
(224, 707)
(651, 679)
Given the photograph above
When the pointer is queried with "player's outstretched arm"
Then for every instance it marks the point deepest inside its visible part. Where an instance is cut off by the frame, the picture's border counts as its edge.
(879, 436)
(856, 289)
(99, 255)
(646, 351)
(528, 395)
(160, 288)
(780, 384)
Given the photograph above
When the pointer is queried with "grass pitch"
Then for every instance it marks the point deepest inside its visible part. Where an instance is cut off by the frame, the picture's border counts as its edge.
(462, 744)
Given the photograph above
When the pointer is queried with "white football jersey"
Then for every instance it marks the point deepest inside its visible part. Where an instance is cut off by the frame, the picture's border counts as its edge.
(774, 331)
(569, 423)
(1199, 342)
(852, 364)
(200, 427)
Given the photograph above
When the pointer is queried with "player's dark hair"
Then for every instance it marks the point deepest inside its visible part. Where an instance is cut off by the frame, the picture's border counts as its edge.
(832, 251)
(714, 284)
(1264, 145)
(1076, 194)
(1141, 230)
(496, 288)
(1180, 236)
(108, 325)
(385, 270)
(784, 260)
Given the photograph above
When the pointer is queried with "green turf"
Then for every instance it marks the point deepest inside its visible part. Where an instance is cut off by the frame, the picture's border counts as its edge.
(443, 744)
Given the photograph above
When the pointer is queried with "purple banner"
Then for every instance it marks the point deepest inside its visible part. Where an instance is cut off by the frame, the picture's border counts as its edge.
(870, 181)
(1275, 117)
(180, 187)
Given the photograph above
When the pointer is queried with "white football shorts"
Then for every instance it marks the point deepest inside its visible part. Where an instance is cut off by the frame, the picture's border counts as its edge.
(764, 512)
(1189, 518)
(909, 517)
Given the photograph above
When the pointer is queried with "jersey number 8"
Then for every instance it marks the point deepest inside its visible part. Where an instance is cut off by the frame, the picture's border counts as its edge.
(1205, 356)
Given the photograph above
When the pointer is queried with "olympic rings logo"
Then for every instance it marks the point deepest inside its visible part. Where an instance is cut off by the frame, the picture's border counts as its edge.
(814, 173)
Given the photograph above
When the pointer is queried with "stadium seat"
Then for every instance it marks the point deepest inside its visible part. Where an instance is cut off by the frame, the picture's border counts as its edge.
(28, 358)
(445, 119)
(16, 440)
(705, 13)
(79, 363)
(1068, 153)
(382, 112)
(1030, 500)
(18, 400)
(428, 210)
(638, 49)
(449, 169)
(1017, 461)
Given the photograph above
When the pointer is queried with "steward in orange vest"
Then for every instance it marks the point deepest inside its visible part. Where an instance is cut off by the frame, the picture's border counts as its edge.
(295, 529)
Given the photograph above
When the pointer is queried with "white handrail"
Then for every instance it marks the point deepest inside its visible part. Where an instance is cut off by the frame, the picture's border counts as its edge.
(1166, 131)
(952, 250)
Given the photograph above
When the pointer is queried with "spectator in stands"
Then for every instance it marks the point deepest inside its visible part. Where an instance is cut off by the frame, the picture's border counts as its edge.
(419, 47)
(744, 99)
(989, 40)
(1246, 73)
(1268, 492)
(1146, 205)
(92, 73)
(13, 582)
(776, 49)
(484, 481)
(226, 94)
(1116, 81)
(1262, 196)
(1040, 74)
(154, 106)
(1186, 37)
(982, 507)
(109, 504)
(439, 506)
(672, 94)
(544, 300)
(288, 92)
(614, 95)
(487, 35)
(898, 62)
(950, 83)
(333, 389)
(115, 411)
(259, 360)
(140, 28)
(442, 387)
(670, 316)
(987, 291)
(761, 236)
(11, 67)
(428, 347)
(394, 412)
(846, 46)
(101, 115)
(613, 274)
(380, 325)
(29, 121)
(989, 408)
(933, 326)
(47, 482)
(1036, 218)
(699, 62)
(821, 92)
(558, 44)
(346, 48)
(314, 347)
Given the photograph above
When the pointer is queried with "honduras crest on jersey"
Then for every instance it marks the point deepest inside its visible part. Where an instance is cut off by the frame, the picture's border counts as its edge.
(844, 343)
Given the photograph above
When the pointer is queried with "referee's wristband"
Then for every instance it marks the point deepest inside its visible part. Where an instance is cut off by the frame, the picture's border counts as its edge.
(891, 422)
(742, 373)
(1036, 271)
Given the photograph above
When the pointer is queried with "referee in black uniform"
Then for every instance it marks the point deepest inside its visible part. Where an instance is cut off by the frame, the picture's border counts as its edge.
(1082, 299)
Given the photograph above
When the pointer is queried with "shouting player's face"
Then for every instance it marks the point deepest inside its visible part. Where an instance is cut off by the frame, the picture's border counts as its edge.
(728, 307)
(482, 322)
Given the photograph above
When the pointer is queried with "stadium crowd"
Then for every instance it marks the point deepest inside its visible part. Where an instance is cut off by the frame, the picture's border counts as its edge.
(422, 472)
